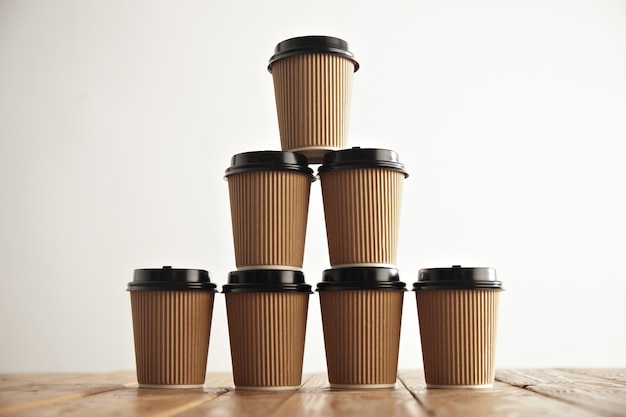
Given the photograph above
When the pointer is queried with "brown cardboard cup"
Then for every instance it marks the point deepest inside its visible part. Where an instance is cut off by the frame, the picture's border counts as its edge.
(269, 201)
(171, 324)
(361, 321)
(267, 327)
(458, 326)
(313, 85)
(362, 193)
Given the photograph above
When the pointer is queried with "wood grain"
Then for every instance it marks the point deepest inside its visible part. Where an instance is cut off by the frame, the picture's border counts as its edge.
(315, 398)
(118, 377)
(526, 392)
(242, 403)
(88, 398)
(502, 400)
(590, 392)
(618, 375)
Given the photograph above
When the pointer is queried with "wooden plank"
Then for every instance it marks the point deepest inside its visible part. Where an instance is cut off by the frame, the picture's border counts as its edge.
(618, 375)
(502, 400)
(16, 380)
(30, 390)
(316, 398)
(593, 393)
(27, 397)
(94, 399)
(242, 403)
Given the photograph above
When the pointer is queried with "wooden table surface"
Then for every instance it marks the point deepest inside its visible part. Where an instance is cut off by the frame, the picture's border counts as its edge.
(517, 392)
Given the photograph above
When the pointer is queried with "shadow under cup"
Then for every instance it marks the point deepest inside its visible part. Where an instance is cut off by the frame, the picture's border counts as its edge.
(458, 318)
(172, 311)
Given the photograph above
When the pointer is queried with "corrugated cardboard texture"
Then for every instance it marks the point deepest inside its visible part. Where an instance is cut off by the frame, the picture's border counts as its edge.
(269, 212)
(267, 332)
(172, 331)
(458, 332)
(313, 100)
(362, 210)
(362, 335)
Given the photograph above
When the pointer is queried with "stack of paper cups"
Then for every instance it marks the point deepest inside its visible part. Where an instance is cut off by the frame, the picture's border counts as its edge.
(361, 296)
(267, 298)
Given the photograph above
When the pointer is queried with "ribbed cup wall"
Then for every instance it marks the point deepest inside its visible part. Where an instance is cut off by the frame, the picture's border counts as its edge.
(362, 211)
(267, 333)
(458, 331)
(312, 100)
(171, 331)
(269, 212)
(362, 336)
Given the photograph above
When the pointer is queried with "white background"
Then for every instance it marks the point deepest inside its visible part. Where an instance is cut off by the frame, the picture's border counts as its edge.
(118, 119)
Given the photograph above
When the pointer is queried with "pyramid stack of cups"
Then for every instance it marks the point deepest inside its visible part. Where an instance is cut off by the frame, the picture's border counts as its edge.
(266, 297)
(361, 295)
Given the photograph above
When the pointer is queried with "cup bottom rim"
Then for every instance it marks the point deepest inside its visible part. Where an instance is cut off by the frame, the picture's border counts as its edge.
(365, 265)
(362, 386)
(269, 267)
(315, 154)
(172, 386)
(268, 388)
(460, 386)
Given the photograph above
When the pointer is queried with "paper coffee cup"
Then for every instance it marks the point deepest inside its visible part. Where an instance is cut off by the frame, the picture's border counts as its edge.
(362, 193)
(269, 202)
(361, 317)
(313, 87)
(458, 318)
(267, 312)
(172, 310)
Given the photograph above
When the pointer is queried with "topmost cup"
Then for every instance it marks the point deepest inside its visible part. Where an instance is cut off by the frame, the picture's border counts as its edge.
(313, 86)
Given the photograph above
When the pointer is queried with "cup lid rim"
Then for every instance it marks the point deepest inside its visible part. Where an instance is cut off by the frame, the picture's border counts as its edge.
(457, 277)
(357, 158)
(361, 278)
(268, 160)
(266, 280)
(171, 279)
(312, 44)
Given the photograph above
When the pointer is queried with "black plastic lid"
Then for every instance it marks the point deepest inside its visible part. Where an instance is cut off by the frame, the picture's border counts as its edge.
(457, 277)
(356, 157)
(266, 280)
(361, 278)
(170, 279)
(269, 161)
(312, 45)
